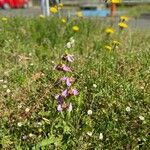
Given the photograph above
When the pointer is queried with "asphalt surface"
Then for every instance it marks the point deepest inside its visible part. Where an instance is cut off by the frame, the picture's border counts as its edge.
(21, 12)
(141, 23)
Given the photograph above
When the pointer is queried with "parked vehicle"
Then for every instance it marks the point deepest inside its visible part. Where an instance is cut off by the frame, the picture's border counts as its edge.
(7, 4)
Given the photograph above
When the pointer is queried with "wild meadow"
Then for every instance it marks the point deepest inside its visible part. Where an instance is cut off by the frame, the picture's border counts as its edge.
(74, 84)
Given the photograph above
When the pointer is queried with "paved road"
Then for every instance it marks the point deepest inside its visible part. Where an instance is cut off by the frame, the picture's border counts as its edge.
(21, 12)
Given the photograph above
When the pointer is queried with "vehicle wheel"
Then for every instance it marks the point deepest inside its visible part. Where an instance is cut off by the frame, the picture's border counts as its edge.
(6, 6)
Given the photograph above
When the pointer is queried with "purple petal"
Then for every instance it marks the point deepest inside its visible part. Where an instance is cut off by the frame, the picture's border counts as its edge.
(65, 93)
(70, 107)
(65, 68)
(59, 108)
(59, 99)
(68, 82)
(70, 58)
(75, 92)
(63, 79)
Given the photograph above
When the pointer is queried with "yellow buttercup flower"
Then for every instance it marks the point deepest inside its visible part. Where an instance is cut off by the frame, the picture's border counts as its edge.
(122, 25)
(41, 16)
(53, 10)
(109, 30)
(79, 14)
(124, 18)
(4, 19)
(63, 20)
(75, 28)
(108, 47)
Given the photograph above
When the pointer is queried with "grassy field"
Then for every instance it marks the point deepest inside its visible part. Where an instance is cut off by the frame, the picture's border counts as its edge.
(111, 72)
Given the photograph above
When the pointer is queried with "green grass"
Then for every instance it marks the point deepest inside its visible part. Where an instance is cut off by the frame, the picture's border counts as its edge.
(31, 47)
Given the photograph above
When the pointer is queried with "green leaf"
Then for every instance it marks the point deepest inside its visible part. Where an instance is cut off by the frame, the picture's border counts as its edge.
(46, 142)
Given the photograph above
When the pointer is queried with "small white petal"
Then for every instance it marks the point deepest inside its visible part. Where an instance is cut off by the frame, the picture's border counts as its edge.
(8, 91)
(141, 118)
(94, 85)
(24, 137)
(5, 81)
(89, 133)
(72, 41)
(30, 54)
(31, 135)
(68, 45)
(19, 124)
(70, 107)
(19, 106)
(6, 73)
(71, 38)
(89, 112)
(27, 109)
(101, 136)
(4, 86)
(31, 64)
(59, 108)
(128, 109)
(1, 81)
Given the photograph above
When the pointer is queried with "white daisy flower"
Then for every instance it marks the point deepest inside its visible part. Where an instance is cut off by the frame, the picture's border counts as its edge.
(94, 85)
(141, 118)
(89, 133)
(89, 112)
(19, 124)
(128, 109)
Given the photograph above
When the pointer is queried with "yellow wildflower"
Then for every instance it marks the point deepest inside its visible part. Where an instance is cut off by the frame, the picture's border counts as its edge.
(60, 5)
(41, 16)
(116, 42)
(122, 25)
(75, 28)
(108, 47)
(116, 1)
(63, 20)
(53, 10)
(4, 19)
(109, 30)
(79, 14)
(56, 7)
(124, 18)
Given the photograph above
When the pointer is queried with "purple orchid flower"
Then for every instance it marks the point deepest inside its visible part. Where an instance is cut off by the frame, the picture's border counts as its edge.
(70, 92)
(65, 93)
(59, 99)
(63, 78)
(59, 108)
(62, 67)
(68, 57)
(73, 92)
(64, 106)
(68, 81)
(66, 68)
